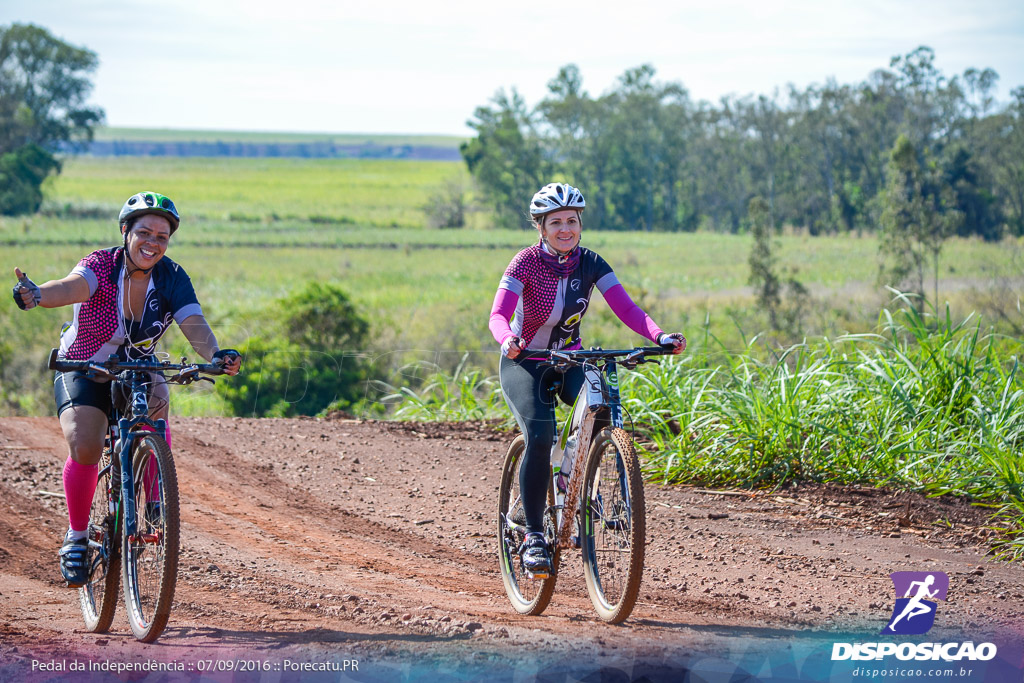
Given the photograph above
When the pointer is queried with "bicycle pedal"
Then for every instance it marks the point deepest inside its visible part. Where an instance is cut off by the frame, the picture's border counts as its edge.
(538, 576)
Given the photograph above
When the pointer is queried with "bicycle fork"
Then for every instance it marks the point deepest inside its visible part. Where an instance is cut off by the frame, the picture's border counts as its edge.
(126, 442)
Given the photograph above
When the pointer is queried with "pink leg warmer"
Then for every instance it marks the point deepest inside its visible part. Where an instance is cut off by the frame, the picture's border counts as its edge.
(79, 487)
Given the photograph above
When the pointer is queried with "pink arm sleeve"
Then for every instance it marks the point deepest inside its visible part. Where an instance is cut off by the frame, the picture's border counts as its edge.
(502, 310)
(631, 314)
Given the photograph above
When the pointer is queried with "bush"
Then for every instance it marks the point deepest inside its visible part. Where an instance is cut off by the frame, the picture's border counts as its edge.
(312, 361)
(446, 206)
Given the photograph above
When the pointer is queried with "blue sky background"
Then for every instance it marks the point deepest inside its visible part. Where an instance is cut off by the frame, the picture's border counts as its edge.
(397, 66)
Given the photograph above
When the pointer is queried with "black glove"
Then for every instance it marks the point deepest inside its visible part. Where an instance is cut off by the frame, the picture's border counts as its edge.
(25, 284)
(221, 356)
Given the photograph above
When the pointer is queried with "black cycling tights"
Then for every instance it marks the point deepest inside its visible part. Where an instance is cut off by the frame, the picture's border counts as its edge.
(527, 390)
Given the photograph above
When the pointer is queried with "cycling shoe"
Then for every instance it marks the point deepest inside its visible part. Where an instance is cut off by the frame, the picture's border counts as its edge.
(535, 555)
(74, 562)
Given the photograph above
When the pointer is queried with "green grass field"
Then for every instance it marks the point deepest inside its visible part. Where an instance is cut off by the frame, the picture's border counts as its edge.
(232, 197)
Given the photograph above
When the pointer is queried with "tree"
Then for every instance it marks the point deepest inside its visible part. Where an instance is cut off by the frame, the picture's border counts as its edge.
(783, 299)
(762, 261)
(44, 83)
(22, 173)
(645, 153)
(917, 217)
(972, 196)
(507, 157)
(1006, 159)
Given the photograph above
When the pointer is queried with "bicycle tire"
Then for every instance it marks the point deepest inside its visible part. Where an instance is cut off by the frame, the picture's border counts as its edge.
(150, 562)
(613, 532)
(98, 597)
(528, 596)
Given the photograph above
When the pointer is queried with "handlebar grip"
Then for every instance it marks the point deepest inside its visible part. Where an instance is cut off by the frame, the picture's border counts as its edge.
(51, 363)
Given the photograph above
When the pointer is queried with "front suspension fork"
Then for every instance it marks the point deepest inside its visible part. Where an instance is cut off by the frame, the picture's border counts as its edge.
(127, 442)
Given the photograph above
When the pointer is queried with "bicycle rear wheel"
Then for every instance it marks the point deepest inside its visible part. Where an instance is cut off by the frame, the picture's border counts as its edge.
(614, 525)
(528, 596)
(98, 597)
(151, 556)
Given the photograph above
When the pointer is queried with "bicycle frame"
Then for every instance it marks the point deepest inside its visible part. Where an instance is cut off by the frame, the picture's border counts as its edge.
(598, 400)
(599, 394)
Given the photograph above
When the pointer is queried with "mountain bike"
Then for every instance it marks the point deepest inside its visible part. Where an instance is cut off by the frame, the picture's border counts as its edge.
(134, 524)
(595, 502)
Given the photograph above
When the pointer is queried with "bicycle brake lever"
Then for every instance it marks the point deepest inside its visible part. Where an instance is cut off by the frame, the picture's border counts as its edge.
(206, 379)
(95, 370)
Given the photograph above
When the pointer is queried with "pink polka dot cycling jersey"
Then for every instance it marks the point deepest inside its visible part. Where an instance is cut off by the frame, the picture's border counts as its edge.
(97, 329)
(97, 317)
(551, 305)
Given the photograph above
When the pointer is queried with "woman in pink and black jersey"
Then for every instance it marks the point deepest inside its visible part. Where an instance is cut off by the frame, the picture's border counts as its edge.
(540, 302)
(124, 299)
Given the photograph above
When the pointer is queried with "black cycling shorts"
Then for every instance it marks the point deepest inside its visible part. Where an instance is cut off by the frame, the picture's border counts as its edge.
(75, 389)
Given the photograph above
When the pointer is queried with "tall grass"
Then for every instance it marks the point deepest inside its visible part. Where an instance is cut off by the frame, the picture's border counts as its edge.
(465, 394)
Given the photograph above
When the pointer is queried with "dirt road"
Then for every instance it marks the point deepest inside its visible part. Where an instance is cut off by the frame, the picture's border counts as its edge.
(320, 539)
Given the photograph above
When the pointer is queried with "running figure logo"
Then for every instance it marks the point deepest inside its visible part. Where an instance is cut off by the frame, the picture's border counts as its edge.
(914, 613)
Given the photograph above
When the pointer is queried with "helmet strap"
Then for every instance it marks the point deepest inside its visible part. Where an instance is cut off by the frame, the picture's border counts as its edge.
(562, 255)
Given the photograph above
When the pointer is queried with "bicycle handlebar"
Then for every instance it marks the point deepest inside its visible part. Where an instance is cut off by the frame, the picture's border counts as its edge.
(187, 372)
(580, 356)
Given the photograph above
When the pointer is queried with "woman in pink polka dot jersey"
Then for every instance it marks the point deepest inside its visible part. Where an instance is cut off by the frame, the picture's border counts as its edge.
(124, 299)
(540, 302)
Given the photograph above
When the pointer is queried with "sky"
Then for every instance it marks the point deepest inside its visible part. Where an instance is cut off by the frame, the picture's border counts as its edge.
(410, 66)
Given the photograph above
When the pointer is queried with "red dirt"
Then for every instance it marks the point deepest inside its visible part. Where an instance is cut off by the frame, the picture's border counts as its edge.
(374, 539)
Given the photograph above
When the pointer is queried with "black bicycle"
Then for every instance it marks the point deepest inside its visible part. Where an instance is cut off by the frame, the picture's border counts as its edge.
(134, 525)
(595, 495)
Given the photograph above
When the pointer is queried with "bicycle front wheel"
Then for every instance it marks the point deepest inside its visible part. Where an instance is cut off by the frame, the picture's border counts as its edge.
(98, 597)
(151, 554)
(614, 525)
(528, 596)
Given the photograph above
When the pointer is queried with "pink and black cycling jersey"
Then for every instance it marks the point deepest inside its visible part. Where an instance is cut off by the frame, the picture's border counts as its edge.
(550, 306)
(99, 328)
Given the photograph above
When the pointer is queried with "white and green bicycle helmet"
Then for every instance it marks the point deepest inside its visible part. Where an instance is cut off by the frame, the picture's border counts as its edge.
(145, 203)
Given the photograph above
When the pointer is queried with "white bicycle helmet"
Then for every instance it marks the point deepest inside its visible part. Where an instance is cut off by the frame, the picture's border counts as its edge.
(554, 197)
